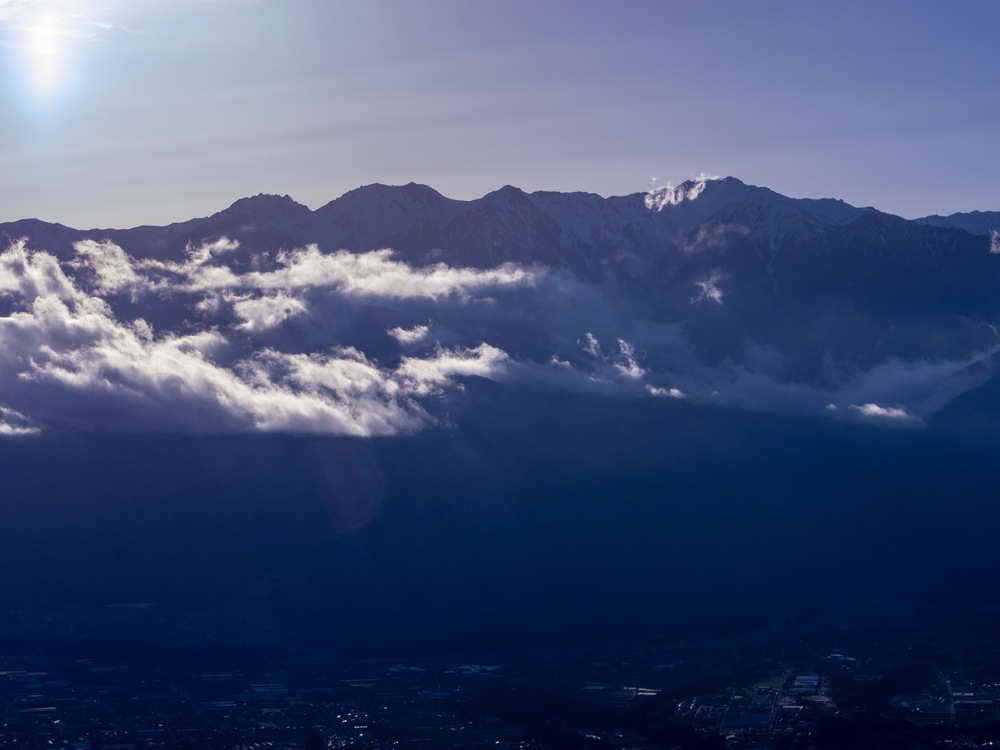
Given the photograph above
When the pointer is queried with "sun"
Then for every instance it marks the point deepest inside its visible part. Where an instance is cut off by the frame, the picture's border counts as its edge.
(44, 54)
(42, 37)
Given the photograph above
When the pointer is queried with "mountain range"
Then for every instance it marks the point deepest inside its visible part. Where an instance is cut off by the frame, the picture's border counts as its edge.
(713, 289)
(404, 423)
(582, 231)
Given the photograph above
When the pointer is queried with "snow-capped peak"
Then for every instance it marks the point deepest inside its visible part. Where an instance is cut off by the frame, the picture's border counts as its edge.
(657, 198)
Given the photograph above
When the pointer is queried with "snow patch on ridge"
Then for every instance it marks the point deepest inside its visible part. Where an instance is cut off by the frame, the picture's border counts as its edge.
(658, 198)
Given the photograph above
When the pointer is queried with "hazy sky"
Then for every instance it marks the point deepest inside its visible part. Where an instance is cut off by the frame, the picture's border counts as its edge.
(115, 113)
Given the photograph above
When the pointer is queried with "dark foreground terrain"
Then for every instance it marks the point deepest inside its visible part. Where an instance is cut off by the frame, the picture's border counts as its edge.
(543, 519)
(640, 574)
(893, 675)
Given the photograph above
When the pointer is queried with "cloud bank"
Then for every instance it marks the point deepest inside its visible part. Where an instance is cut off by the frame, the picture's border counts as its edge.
(68, 359)
(365, 344)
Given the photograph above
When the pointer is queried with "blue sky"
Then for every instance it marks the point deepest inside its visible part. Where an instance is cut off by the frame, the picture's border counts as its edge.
(117, 113)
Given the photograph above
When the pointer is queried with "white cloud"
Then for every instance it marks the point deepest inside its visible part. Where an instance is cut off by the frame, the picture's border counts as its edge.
(708, 289)
(10, 430)
(658, 198)
(203, 253)
(179, 382)
(427, 376)
(205, 354)
(409, 336)
(31, 275)
(377, 274)
(627, 363)
(371, 274)
(15, 424)
(112, 268)
(340, 392)
(264, 313)
(592, 346)
(65, 358)
(665, 392)
(882, 412)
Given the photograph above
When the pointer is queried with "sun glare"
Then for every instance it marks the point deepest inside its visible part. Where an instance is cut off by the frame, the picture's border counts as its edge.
(42, 41)
(45, 55)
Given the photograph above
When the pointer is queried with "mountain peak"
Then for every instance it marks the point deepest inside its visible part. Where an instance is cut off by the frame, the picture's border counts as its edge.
(658, 198)
(422, 195)
(506, 190)
(506, 194)
(263, 203)
(412, 195)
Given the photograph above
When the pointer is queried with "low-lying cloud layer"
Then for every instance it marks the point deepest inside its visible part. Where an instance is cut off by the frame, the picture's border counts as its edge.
(364, 344)
(67, 358)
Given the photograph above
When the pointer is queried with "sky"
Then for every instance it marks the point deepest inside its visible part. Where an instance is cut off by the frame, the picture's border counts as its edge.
(115, 113)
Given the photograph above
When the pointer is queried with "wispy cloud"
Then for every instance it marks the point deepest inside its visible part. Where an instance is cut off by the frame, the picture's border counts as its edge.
(15, 424)
(881, 412)
(112, 269)
(264, 313)
(409, 336)
(29, 23)
(372, 274)
(665, 392)
(342, 343)
(708, 289)
(67, 358)
(628, 362)
(592, 346)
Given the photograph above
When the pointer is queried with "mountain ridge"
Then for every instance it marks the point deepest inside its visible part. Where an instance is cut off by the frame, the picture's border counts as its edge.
(679, 290)
(375, 215)
(669, 237)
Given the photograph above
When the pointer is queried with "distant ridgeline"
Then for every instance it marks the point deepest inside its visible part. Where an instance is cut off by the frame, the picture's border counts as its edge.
(715, 290)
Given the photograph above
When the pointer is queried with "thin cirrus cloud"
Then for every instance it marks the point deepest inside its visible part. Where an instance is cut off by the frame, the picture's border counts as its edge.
(37, 28)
